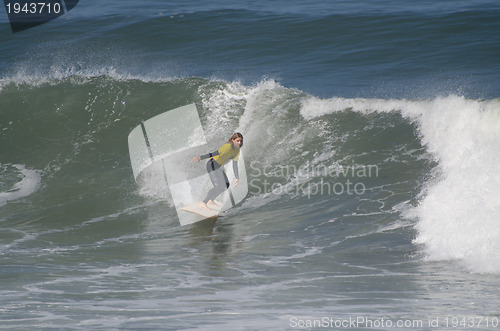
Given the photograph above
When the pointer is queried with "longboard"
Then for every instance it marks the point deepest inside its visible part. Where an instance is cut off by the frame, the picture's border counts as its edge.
(207, 213)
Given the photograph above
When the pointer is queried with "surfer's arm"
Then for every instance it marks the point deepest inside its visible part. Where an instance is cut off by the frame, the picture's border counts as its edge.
(206, 156)
(235, 169)
(236, 175)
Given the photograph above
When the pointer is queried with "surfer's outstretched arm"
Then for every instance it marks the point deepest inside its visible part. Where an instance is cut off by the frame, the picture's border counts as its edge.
(205, 156)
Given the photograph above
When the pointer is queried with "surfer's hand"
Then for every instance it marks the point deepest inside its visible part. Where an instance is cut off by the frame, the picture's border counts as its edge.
(196, 159)
(236, 182)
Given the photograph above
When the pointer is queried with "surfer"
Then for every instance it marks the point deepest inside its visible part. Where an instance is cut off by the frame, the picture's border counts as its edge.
(230, 150)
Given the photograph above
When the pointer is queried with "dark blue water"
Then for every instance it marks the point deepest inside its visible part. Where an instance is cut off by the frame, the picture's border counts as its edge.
(381, 48)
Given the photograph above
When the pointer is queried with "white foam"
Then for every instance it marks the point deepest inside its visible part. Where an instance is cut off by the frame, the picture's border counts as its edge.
(77, 75)
(459, 212)
(29, 184)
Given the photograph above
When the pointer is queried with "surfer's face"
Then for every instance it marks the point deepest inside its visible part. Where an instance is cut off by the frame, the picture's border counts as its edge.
(237, 141)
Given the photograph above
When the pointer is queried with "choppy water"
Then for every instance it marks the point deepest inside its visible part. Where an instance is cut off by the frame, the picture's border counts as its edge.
(371, 143)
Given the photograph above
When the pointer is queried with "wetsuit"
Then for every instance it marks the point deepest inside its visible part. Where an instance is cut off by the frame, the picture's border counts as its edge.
(215, 171)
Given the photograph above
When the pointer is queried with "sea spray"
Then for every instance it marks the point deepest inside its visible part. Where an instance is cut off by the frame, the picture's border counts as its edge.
(459, 214)
(28, 182)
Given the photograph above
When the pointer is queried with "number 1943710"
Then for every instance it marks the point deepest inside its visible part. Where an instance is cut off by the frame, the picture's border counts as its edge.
(33, 8)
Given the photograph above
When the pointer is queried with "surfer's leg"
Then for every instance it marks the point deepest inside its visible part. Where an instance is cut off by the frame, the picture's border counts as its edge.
(220, 184)
(219, 180)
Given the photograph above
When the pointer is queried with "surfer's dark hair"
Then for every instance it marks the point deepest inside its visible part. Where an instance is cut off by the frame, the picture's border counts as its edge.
(234, 136)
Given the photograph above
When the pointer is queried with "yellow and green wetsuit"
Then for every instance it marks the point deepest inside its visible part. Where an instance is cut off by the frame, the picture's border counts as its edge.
(214, 168)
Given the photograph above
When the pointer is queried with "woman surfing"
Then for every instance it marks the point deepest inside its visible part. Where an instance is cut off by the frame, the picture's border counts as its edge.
(228, 151)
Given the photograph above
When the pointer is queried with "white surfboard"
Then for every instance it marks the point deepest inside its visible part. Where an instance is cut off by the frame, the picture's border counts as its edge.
(207, 213)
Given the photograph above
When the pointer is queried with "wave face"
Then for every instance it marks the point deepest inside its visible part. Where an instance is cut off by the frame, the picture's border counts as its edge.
(458, 207)
(440, 153)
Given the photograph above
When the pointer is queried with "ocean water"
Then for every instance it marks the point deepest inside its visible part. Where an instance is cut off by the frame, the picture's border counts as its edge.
(372, 134)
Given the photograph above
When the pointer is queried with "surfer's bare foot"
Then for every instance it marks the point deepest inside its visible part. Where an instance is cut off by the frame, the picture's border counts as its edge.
(213, 205)
(204, 205)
